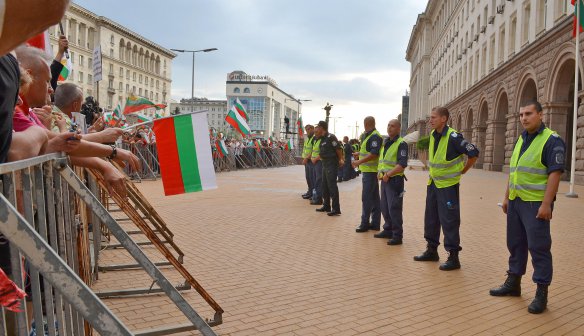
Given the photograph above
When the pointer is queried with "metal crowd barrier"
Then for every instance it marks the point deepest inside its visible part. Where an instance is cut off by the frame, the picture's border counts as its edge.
(39, 217)
(148, 155)
(250, 157)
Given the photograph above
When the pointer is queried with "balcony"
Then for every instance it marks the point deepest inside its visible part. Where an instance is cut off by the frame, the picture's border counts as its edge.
(111, 90)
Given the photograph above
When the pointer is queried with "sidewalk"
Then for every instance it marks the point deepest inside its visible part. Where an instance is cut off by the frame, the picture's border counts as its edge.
(279, 268)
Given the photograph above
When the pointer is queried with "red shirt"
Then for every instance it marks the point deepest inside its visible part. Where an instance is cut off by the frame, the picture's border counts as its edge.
(24, 118)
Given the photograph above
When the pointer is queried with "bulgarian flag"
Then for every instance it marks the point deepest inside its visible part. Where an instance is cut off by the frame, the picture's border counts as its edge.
(42, 42)
(66, 71)
(241, 110)
(238, 122)
(118, 112)
(184, 152)
(289, 145)
(577, 7)
(143, 118)
(257, 145)
(300, 127)
(221, 148)
(135, 104)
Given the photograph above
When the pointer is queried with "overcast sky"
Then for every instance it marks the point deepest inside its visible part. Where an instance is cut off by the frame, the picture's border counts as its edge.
(350, 53)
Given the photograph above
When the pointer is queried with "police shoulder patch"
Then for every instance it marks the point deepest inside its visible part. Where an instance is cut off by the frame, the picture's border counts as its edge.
(335, 144)
(555, 135)
(454, 134)
(374, 143)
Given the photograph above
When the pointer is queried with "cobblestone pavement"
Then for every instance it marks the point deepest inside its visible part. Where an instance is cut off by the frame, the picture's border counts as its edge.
(279, 268)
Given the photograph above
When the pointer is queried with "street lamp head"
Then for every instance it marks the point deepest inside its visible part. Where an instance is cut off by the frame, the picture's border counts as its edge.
(178, 50)
(210, 49)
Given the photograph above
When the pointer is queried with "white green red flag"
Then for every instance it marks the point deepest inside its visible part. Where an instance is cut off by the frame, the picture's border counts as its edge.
(290, 145)
(577, 8)
(67, 68)
(257, 144)
(136, 104)
(241, 110)
(118, 112)
(221, 148)
(184, 153)
(238, 122)
(300, 127)
(143, 118)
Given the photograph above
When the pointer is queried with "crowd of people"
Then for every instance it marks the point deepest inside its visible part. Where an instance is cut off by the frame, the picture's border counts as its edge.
(536, 166)
(36, 111)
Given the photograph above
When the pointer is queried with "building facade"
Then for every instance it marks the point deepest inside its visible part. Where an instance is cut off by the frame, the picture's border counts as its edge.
(266, 104)
(483, 59)
(131, 64)
(217, 110)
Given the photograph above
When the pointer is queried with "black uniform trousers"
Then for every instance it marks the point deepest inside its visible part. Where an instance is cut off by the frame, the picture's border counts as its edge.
(443, 210)
(309, 176)
(329, 184)
(371, 203)
(527, 233)
(392, 204)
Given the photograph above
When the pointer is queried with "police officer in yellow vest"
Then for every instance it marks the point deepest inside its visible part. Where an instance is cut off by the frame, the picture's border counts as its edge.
(535, 169)
(306, 160)
(317, 166)
(368, 159)
(446, 163)
(393, 159)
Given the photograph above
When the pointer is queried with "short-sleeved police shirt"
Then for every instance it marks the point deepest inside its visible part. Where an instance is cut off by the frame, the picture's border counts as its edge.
(554, 150)
(456, 146)
(402, 151)
(328, 147)
(373, 145)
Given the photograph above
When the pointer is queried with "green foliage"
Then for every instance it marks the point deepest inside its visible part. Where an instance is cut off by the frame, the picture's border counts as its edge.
(423, 143)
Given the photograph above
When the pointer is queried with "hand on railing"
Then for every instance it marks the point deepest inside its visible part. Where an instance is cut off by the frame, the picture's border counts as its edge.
(124, 156)
(63, 142)
(115, 180)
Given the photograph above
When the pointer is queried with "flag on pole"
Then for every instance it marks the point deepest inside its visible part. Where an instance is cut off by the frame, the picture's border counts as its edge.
(238, 122)
(300, 127)
(184, 153)
(67, 68)
(143, 118)
(575, 24)
(118, 112)
(221, 148)
(136, 104)
(241, 110)
(42, 42)
(290, 144)
(257, 145)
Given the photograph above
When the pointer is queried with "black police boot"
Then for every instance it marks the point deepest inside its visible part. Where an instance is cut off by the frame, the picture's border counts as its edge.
(539, 303)
(315, 202)
(361, 228)
(384, 234)
(324, 209)
(306, 196)
(452, 263)
(334, 213)
(511, 286)
(431, 254)
(395, 241)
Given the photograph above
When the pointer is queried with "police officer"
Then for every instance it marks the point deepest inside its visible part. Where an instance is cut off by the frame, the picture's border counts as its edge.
(368, 159)
(446, 163)
(393, 159)
(536, 167)
(332, 157)
(317, 166)
(306, 156)
(348, 170)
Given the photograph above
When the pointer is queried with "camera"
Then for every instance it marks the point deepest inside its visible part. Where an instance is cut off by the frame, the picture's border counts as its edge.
(89, 108)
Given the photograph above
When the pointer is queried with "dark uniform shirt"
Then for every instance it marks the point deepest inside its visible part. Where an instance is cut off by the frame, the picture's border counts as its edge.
(456, 146)
(348, 152)
(402, 151)
(328, 148)
(374, 144)
(554, 150)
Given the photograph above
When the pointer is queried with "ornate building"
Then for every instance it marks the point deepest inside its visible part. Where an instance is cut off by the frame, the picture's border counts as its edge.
(483, 58)
(131, 64)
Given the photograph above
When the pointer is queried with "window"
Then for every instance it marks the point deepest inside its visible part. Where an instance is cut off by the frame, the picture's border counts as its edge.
(72, 57)
(525, 28)
(89, 62)
(112, 41)
(111, 69)
(145, 93)
(111, 53)
(80, 79)
(127, 87)
(110, 83)
(157, 84)
(110, 101)
(541, 16)
(151, 82)
(134, 76)
(140, 91)
(512, 33)
(246, 90)
(133, 89)
(140, 79)
(157, 96)
(121, 72)
(121, 86)
(236, 90)
(502, 45)
(90, 78)
(128, 74)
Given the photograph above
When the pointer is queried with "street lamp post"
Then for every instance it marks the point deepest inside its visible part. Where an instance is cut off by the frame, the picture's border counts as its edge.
(335, 123)
(193, 77)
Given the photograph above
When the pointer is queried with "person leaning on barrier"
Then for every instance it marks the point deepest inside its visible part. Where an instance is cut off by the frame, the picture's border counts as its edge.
(536, 166)
(331, 156)
(35, 63)
(306, 154)
(393, 160)
(447, 148)
(368, 159)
